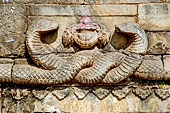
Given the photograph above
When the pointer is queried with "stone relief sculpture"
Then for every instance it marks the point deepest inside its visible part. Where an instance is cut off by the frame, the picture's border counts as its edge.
(88, 63)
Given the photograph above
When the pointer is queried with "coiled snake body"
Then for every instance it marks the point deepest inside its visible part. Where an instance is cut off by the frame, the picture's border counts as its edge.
(88, 66)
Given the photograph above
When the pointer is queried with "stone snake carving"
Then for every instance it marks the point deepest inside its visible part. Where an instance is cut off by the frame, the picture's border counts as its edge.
(88, 65)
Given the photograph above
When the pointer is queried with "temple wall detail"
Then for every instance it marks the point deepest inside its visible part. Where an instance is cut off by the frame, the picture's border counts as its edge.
(84, 56)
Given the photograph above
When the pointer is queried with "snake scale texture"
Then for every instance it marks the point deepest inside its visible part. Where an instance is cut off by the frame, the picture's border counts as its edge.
(89, 65)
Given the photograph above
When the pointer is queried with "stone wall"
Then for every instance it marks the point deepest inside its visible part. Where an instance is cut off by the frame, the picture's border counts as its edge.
(17, 15)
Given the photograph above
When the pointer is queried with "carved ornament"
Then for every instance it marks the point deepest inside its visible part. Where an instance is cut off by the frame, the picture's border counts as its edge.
(88, 63)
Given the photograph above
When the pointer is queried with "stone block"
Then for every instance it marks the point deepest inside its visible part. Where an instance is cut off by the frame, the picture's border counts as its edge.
(74, 10)
(110, 10)
(12, 19)
(158, 42)
(154, 17)
(12, 45)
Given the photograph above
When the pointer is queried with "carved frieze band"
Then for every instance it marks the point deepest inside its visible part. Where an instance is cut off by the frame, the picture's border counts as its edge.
(87, 63)
(142, 92)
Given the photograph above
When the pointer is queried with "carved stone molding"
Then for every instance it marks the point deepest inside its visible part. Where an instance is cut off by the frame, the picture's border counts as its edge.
(101, 92)
(27, 98)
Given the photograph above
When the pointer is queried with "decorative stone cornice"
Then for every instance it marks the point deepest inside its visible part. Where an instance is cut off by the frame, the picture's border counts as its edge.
(120, 92)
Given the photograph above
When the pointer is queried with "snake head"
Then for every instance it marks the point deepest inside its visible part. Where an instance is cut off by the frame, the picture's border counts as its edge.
(129, 29)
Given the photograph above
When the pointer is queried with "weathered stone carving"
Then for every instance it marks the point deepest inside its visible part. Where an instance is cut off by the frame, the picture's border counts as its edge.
(19, 94)
(60, 94)
(40, 94)
(87, 63)
(163, 93)
(37, 99)
(101, 93)
(81, 92)
(143, 92)
(120, 92)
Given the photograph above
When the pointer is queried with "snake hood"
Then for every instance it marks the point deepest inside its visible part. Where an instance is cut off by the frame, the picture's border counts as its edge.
(133, 30)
